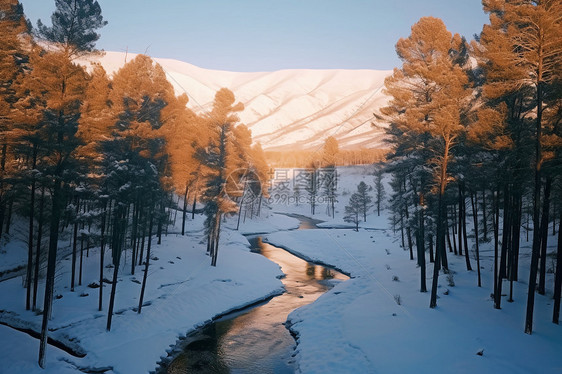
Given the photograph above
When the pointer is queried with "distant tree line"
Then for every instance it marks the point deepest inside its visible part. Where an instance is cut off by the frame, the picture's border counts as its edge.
(476, 133)
(345, 157)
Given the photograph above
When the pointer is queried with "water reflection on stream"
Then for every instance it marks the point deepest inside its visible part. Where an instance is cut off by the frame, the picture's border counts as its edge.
(255, 340)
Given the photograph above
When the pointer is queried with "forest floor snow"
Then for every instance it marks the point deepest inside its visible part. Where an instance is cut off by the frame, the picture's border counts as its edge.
(380, 322)
(183, 292)
(376, 322)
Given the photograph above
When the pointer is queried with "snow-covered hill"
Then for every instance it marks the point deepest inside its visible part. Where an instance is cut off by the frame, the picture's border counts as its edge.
(295, 109)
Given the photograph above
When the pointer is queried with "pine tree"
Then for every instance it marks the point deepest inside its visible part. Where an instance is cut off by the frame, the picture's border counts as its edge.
(330, 152)
(429, 96)
(359, 204)
(218, 159)
(61, 85)
(523, 46)
(364, 199)
(74, 26)
(353, 210)
(379, 189)
(182, 130)
(135, 164)
(12, 61)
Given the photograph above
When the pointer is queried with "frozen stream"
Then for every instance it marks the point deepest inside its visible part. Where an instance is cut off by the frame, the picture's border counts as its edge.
(255, 340)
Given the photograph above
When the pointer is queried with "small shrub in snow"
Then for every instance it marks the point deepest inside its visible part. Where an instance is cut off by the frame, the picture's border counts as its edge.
(398, 299)
(387, 266)
(395, 278)
(387, 251)
(450, 280)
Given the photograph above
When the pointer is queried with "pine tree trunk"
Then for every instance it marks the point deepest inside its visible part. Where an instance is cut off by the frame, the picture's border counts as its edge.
(194, 206)
(145, 275)
(9, 218)
(409, 234)
(259, 205)
(558, 276)
(448, 236)
(439, 250)
(410, 244)
(81, 260)
(240, 208)
(536, 216)
(402, 230)
(134, 235)
(431, 258)
(421, 248)
(102, 255)
(74, 241)
(475, 215)
(38, 247)
(443, 255)
(116, 263)
(502, 273)
(51, 267)
(453, 232)
(515, 237)
(160, 221)
(117, 246)
(215, 248)
(141, 254)
(544, 235)
(484, 217)
(2, 196)
(497, 293)
(460, 220)
(463, 227)
(184, 210)
(30, 236)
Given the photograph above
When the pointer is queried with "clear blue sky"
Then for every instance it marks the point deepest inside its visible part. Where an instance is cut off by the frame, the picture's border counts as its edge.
(267, 35)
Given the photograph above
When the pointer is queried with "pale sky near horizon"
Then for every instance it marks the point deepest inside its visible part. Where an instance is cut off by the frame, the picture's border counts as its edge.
(264, 35)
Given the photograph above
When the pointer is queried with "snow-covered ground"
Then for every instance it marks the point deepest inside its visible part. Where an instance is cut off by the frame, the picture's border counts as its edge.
(376, 322)
(364, 330)
(183, 292)
(379, 322)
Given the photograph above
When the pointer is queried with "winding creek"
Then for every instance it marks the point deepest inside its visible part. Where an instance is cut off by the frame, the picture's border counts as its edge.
(255, 339)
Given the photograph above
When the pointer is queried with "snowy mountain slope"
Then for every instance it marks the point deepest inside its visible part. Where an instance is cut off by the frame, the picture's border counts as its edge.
(296, 109)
